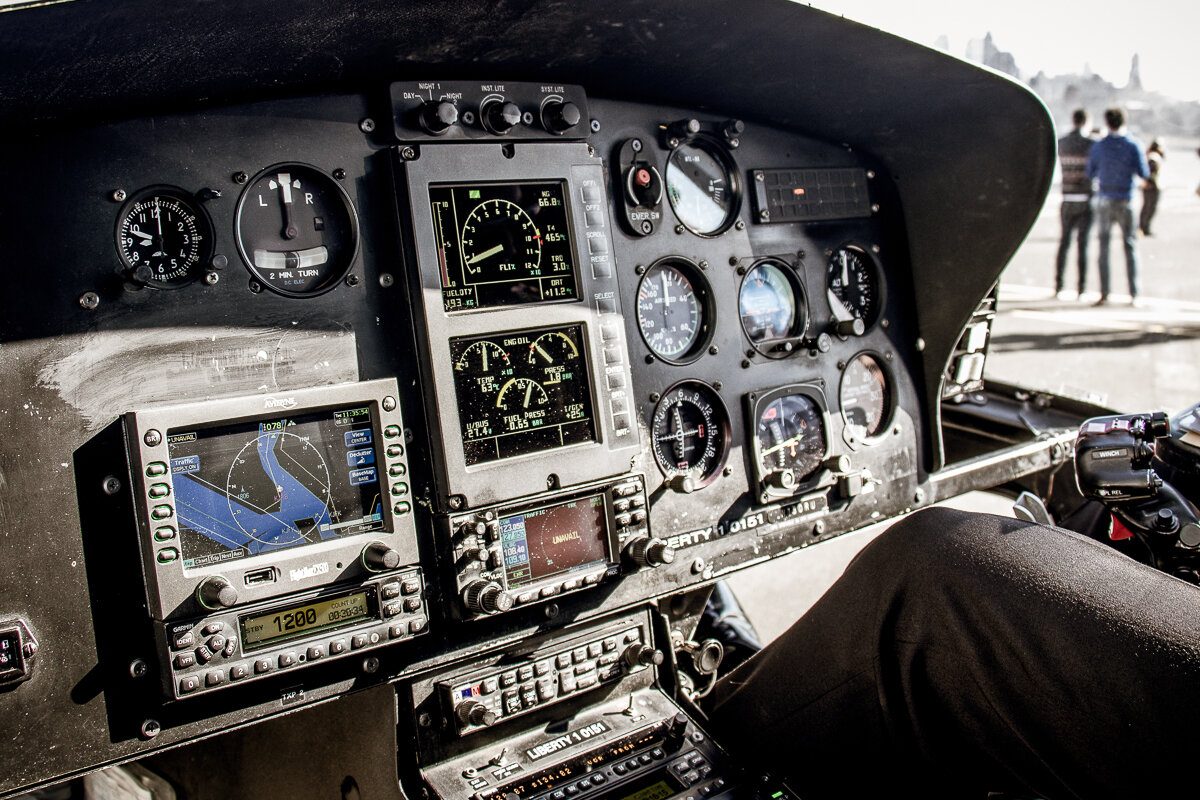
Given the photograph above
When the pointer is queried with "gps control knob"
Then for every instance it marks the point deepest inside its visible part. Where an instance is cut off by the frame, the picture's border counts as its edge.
(215, 592)
(560, 117)
(378, 557)
(487, 597)
(474, 712)
(850, 327)
(500, 116)
(641, 655)
(650, 551)
(438, 115)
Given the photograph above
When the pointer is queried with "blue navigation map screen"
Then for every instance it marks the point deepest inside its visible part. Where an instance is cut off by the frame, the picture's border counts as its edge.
(272, 484)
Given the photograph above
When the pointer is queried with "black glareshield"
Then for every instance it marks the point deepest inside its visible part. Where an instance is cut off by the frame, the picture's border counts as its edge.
(271, 493)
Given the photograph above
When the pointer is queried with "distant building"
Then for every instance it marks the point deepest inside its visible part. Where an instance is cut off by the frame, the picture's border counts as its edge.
(985, 52)
(1135, 76)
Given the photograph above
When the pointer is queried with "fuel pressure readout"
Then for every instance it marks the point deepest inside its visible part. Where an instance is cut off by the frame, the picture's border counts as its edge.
(522, 392)
(503, 244)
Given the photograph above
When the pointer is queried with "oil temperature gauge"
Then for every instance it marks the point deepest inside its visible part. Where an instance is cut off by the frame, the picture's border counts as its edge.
(297, 230)
(690, 435)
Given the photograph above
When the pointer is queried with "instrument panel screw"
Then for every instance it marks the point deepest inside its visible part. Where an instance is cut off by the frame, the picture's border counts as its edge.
(425, 720)
(727, 471)
(760, 176)
(591, 151)
(703, 264)
(367, 125)
(745, 364)
(595, 126)
(89, 301)
(255, 287)
(741, 270)
(150, 729)
(138, 668)
(655, 397)
(211, 278)
(456, 502)
(352, 280)
(717, 384)
(386, 280)
(649, 359)
(870, 173)
(875, 248)
(697, 566)
(712, 351)
(551, 611)
(389, 403)
(370, 665)
(679, 229)
(919, 496)
(339, 174)
(672, 143)
(118, 195)
(874, 208)
(408, 152)
(111, 485)
(635, 145)
(733, 260)
(639, 269)
(740, 225)
(647, 227)
(885, 323)
(240, 177)
(152, 438)
(819, 528)
(801, 254)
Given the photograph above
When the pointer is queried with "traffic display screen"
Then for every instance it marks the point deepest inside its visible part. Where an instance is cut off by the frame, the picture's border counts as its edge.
(262, 486)
(551, 541)
(503, 244)
(522, 392)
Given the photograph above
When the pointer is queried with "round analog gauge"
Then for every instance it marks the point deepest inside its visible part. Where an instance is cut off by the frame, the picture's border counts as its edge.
(277, 490)
(499, 239)
(297, 230)
(772, 307)
(690, 435)
(164, 238)
(672, 309)
(702, 186)
(866, 397)
(853, 286)
(790, 440)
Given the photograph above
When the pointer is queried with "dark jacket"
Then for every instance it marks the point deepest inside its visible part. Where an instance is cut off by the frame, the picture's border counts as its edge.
(1073, 150)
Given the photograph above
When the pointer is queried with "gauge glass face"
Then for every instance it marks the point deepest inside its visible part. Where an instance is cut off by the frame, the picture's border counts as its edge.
(701, 187)
(690, 433)
(769, 306)
(522, 392)
(297, 230)
(866, 397)
(853, 286)
(790, 433)
(671, 310)
(163, 237)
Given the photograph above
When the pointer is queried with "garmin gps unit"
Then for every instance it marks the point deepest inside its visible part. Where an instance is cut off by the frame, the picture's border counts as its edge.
(275, 530)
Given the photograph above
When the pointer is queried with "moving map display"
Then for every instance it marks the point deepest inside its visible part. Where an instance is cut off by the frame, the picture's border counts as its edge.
(268, 485)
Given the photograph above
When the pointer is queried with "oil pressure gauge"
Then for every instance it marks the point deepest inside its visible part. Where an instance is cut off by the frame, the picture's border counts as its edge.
(297, 230)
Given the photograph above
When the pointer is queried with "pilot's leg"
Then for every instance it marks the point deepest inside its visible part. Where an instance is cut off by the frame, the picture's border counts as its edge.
(966, 652)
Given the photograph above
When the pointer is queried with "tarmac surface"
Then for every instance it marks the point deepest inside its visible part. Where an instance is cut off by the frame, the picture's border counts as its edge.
(1143, 358)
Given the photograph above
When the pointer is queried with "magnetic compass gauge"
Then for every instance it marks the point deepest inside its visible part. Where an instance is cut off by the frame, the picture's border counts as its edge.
(866, 398)
(164, 237)
(297, 230)
(673, 310)
(790, 440)
(703, 186)
(854, 287)
(690, 435)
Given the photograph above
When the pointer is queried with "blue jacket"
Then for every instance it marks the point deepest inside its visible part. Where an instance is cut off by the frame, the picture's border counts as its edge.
(1114, 161)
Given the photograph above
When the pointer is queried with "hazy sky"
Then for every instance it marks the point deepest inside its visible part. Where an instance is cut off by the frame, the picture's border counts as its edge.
(1056, 36)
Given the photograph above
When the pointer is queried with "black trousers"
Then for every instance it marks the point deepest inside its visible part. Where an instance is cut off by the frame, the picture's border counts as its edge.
(1076, 221)
(965, 653)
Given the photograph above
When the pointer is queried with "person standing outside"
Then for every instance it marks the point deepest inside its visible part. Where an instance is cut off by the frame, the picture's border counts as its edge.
(1150, 189)
(1113, 164)
(1076, 209)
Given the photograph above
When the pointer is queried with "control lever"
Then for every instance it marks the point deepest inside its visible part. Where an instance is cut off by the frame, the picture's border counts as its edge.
(676, 730)
(1030, 508)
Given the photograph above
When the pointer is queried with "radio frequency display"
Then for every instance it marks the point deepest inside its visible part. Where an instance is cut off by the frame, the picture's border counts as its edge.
(503, 244)
(522, 392)
(273, 484)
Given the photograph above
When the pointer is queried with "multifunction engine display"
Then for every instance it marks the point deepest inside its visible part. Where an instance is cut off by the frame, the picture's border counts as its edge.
(522, 392)
(554, 540)
(503, 244)
(268, 485)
